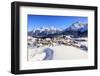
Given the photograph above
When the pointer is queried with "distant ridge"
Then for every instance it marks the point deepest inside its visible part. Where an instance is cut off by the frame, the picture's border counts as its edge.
(77, 29)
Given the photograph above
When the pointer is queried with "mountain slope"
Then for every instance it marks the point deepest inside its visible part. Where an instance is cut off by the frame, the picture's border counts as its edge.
(77, 29)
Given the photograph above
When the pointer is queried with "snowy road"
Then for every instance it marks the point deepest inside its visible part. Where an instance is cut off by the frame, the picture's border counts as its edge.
(59, 53)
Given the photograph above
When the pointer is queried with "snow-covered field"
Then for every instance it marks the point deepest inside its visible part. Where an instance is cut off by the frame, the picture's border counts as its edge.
(69, 52)
(59, 53)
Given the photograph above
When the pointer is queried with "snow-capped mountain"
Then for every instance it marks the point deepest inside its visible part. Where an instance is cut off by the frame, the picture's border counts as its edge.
(77, 26)
(43, 32)
(85, 28)
(77, 29)
(45, 29)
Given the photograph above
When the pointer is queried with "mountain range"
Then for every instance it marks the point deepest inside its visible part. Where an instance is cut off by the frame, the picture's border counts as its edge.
(76, 29)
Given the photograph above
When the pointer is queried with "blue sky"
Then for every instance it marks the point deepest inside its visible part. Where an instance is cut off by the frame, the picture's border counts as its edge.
(59, 22)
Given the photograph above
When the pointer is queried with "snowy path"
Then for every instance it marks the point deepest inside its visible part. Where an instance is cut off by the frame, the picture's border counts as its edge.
(59, 53)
